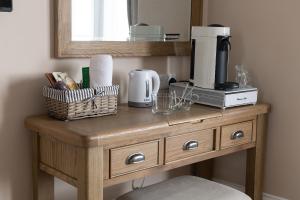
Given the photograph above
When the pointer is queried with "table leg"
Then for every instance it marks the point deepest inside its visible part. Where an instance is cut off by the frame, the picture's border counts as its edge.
(43, 183)
(204, 169)
(90, 174)
(255, 158)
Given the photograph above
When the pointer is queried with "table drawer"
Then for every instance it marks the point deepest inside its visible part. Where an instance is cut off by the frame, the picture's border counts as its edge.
(236, 134)
(134, 158)
(186, 145)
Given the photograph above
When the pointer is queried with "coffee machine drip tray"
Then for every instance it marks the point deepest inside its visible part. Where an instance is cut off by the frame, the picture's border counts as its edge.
(227, 86)
(218, 98)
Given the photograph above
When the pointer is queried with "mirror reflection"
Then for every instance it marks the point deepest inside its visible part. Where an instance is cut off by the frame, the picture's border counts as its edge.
(131, 20)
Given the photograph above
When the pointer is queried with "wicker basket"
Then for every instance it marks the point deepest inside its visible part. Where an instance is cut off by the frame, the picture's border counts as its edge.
(82, 103)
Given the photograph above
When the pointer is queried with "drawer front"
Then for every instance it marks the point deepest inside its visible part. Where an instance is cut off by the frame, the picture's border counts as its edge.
(241, 99)
(236, 134)
(186, 145)
(134, 158)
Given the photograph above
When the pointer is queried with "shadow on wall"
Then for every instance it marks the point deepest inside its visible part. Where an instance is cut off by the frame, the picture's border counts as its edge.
(21, 99)
(179, 66)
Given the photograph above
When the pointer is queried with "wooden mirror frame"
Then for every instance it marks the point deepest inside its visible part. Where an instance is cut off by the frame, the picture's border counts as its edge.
(66, 48)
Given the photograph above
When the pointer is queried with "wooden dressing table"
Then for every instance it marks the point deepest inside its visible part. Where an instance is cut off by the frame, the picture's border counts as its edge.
(91, 154)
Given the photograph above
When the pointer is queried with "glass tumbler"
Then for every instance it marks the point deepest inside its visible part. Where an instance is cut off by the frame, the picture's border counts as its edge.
(162, 103)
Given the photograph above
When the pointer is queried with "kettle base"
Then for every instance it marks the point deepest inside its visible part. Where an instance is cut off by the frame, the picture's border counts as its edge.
(140, 105)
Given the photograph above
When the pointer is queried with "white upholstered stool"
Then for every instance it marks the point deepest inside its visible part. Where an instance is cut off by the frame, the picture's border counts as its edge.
(186, 188)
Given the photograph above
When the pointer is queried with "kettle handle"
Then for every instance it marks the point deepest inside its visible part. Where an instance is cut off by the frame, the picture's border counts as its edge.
(156, 82)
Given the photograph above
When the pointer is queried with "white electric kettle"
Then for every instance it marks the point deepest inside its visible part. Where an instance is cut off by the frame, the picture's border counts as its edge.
(142, 85)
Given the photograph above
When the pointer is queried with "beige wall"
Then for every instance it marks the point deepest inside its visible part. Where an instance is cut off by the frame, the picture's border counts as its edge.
(26, 42)
(266, 39)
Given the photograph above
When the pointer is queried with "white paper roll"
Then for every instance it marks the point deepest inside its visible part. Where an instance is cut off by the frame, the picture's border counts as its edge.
(101, 69)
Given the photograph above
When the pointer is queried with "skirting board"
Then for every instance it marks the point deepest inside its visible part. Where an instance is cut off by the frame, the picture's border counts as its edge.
(242, 188)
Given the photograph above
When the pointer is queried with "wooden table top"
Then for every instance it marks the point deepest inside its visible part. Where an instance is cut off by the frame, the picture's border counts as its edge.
(128, 120)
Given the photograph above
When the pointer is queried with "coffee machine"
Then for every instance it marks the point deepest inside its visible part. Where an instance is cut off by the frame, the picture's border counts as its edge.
(210, 55)
(208, 79)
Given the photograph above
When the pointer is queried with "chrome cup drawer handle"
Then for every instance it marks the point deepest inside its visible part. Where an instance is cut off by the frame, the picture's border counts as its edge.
(237, 135)
(191, 145)
(135, 158)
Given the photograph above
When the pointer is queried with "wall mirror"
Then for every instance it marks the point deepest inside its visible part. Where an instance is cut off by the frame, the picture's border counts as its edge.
(125, 27)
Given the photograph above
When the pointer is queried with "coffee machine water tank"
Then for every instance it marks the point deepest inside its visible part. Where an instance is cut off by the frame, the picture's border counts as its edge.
(210, 54)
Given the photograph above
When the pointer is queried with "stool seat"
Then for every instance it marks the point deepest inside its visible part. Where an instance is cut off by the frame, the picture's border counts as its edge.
(186, 188)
